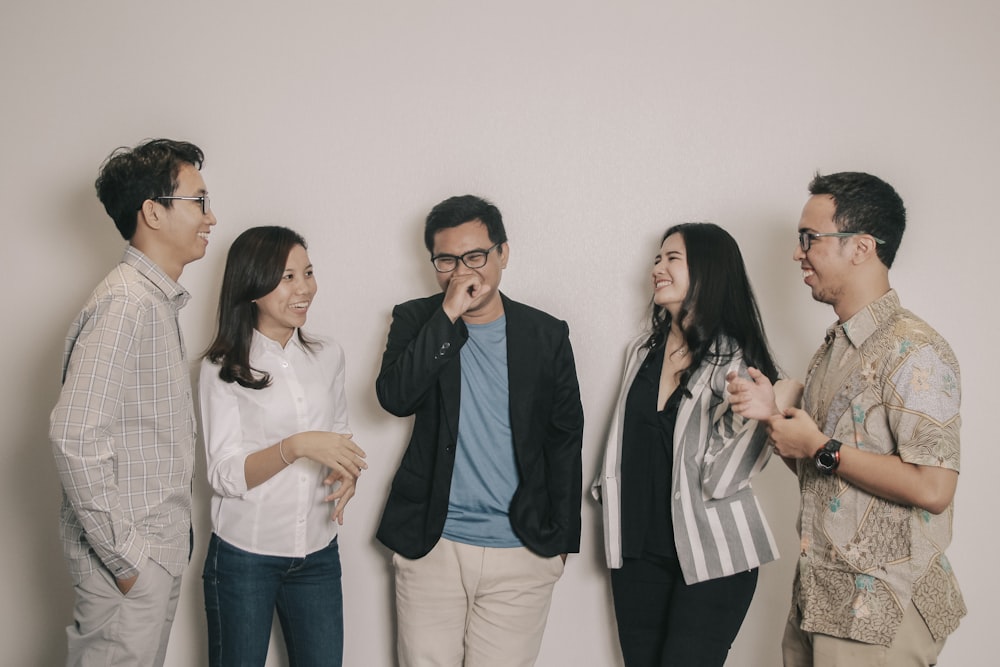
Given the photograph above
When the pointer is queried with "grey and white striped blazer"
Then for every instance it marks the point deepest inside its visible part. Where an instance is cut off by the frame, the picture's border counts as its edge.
(719, 527)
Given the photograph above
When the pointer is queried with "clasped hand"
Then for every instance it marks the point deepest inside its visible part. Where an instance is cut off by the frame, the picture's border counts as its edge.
(341, 455)
(792, 431)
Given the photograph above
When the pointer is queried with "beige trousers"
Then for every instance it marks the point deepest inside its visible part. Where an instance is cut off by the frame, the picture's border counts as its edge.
(110, 629)
(912, 646)
(467, 606)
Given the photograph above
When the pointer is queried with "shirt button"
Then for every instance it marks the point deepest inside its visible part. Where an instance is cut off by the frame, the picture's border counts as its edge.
(677, 496)
(284, 364)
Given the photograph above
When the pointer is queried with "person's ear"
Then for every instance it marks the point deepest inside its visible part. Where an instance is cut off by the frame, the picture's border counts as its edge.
(865, 248)
(149, 215)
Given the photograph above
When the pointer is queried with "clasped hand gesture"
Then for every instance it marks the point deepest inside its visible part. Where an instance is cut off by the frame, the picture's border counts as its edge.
(340, 454)
(463, 291)
(792, 431)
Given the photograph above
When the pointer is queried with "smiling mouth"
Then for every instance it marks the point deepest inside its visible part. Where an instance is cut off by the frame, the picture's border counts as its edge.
(662, 283)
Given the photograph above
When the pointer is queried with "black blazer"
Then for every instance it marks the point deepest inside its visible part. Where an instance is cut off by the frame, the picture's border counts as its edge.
(421, 376)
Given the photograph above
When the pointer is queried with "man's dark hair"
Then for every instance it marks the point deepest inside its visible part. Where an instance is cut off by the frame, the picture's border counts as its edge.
(867, 204)
(456, 211)
(130, 176)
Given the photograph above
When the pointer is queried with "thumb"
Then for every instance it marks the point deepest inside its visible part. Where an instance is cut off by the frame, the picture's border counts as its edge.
(757, 376)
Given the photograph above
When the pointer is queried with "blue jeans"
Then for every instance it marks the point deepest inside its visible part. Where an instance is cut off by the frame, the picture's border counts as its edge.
(242, 590)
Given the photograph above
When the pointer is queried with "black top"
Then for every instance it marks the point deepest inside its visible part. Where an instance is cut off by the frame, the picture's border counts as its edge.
(647, 464)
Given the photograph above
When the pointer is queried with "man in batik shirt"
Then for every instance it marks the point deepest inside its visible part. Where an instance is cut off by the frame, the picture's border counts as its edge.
(876, 448)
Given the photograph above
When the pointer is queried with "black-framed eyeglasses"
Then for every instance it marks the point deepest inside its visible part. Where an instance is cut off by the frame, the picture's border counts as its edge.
(474, 259)
(206, 205)
(806, 237)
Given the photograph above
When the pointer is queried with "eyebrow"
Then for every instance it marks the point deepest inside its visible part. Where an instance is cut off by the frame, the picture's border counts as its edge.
(467, 252)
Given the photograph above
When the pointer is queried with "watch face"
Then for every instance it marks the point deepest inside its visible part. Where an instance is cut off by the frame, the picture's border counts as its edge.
(826, 461)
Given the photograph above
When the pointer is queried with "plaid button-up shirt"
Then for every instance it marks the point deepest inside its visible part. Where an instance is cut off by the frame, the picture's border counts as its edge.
(123, 430)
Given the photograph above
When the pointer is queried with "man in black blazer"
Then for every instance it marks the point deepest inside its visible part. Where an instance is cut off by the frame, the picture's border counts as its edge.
(486, 502)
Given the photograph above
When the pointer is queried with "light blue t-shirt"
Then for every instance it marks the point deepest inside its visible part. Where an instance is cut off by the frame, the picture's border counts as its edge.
(485, 476)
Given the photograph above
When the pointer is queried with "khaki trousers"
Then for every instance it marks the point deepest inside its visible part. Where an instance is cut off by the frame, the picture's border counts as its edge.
(912, 646)
(111, 629)
(468, 606)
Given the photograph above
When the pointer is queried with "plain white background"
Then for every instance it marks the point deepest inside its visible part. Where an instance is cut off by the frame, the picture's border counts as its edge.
(592, 125)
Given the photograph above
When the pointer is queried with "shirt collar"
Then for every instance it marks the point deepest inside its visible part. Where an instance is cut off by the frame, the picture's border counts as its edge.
(262, 343)
(867, 320)
(154, 274)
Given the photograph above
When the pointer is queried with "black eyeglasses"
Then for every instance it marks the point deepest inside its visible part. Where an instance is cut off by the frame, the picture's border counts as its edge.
(206, 206)
(806, 237)
(474, 259)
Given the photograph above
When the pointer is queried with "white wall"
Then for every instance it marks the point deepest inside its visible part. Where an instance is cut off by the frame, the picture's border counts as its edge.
(592, 125)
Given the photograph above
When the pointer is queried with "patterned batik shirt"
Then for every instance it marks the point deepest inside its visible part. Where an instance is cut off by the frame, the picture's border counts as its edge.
(885, 382)
(123, 430)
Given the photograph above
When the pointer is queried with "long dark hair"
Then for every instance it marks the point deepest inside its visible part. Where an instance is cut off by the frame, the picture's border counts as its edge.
(254, 266)
(719, 302)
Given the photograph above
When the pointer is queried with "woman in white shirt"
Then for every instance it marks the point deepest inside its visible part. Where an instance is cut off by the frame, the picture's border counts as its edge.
(280, 460)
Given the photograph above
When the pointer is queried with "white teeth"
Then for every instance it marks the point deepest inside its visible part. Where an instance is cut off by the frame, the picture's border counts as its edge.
(807, 272)
(203, 235)
(664, 283)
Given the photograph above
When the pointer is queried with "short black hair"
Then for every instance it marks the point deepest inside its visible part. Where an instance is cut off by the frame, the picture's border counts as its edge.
(867, 204)
(459, 210)
(130, 176)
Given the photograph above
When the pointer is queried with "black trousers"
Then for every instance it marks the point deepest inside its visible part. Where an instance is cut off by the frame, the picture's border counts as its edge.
(663, 622)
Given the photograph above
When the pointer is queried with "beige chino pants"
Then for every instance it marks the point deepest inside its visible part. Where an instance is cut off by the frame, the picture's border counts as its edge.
(468, 606)
(912, 646)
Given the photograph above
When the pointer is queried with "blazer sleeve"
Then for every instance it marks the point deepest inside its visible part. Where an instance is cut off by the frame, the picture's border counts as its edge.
(564, 444)
(421, 342)
(737, 447)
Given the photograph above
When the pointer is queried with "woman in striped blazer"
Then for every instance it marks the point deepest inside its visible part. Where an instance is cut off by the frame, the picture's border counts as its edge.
(684, 533)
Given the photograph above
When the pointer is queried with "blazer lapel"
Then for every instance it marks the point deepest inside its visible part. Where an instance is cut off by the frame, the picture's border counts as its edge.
(522, 368)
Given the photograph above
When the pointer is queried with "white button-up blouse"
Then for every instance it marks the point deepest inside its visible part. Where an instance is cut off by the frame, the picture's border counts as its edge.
(286, 515)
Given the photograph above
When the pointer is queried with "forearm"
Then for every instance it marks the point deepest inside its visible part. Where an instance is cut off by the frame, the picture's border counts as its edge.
(89, 483)
(265, 463)
(887, 476)
(414, 357)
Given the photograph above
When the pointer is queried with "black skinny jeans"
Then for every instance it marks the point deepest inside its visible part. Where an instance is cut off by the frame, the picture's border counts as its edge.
(663, 622)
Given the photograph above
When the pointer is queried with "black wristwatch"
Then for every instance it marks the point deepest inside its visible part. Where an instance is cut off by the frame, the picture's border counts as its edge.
(828, 458)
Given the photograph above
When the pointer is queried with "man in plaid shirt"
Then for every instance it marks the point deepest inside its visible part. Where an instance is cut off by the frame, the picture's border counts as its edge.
(123, 430)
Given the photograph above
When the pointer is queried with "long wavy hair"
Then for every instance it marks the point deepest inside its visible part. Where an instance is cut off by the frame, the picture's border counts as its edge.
(254, 266)
(719, 303)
